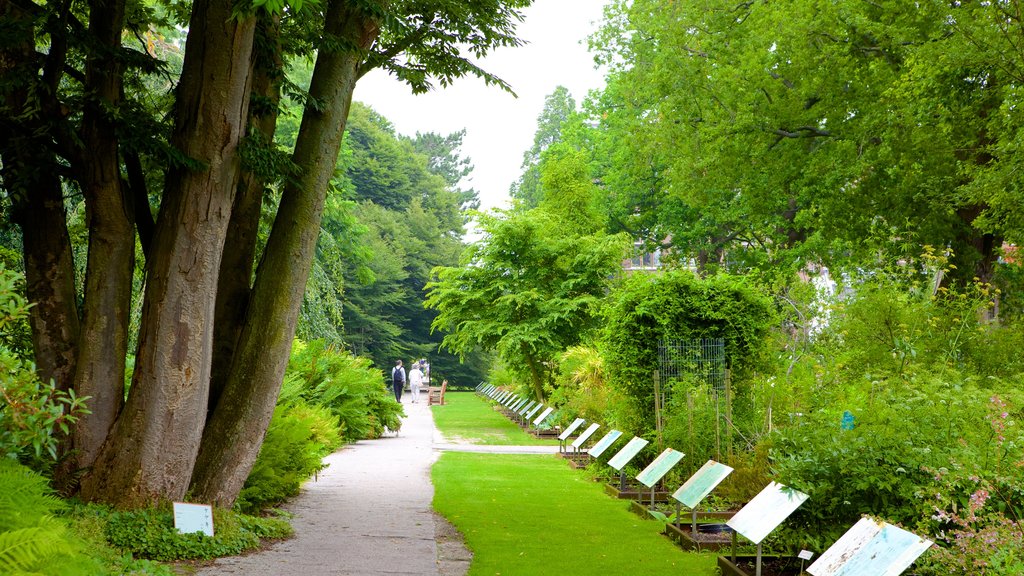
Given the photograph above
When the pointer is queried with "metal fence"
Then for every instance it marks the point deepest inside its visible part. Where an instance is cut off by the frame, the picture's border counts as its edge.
(701, 360)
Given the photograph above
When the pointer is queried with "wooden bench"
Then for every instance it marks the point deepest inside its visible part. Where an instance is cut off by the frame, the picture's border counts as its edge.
(435, 395)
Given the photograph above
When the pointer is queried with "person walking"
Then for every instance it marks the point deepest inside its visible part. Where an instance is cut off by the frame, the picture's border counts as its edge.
(398, 380)
(415, 381)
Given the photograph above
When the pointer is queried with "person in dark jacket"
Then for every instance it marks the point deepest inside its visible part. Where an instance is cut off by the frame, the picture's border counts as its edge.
(398, 379)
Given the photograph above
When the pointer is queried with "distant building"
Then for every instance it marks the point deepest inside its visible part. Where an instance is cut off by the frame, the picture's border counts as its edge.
(642, 261)
(1010, 254)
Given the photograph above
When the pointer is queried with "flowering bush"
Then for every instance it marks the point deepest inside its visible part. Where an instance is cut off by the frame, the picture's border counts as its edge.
(979, 505)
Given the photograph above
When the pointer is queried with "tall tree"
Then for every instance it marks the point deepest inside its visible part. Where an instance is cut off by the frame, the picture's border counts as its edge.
(780, 132)
(528, 290)
(445, 160)
(559, 106)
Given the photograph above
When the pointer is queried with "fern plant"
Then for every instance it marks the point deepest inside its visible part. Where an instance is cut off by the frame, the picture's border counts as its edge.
(32, 539)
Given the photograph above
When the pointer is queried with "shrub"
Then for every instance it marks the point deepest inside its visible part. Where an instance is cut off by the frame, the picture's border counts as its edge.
(298, 438)
(31, 412)
(347, 385)
(978, 502)
(581, 386)
(679, 305)
(881, 466)
(150, 533)
(15, 333)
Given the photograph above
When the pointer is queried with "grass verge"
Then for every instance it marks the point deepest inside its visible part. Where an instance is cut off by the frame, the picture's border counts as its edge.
(529, 514)
(467, 417)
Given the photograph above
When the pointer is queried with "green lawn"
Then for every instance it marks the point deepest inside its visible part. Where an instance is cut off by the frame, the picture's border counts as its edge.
(467, 417)
(532, 515)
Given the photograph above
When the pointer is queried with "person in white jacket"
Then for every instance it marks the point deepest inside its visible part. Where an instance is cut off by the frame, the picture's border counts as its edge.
(415, 381)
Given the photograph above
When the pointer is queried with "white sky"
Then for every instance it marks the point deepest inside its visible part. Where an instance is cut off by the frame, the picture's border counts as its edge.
(500, 128)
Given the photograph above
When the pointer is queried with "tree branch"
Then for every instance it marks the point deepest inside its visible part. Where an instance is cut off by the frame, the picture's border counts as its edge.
(138, 197)
(803, 132)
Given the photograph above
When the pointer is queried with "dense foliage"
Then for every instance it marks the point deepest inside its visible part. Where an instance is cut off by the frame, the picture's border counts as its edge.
(530, 288)
(646, 311)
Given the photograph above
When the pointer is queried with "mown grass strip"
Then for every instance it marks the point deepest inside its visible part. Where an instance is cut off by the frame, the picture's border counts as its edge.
(532, 515)
(469, 418)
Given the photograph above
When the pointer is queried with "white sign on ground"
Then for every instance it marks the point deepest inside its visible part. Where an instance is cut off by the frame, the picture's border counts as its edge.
(547, 412)
(578, 442)
(766, 511)
(534, 411)
(631, 449)
(572, 428)
(871, 547)
(661, 465)
(522, 411)
(701, 483)
(189, 518)
(603, 444)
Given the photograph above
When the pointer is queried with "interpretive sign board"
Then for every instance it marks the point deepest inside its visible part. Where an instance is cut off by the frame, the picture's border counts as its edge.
(631, 449)
(522, 411)
(511, 400)
(518, 404)
(870, 547)
(766, 511)
(661, 465)
(189, 518)
(604, 443)
(701, 483)
(504, 396)
(534, 410)
(572, 428)
(547, 412)
(582, 438)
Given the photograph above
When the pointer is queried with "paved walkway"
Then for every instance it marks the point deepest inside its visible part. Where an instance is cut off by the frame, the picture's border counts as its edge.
(369, 513)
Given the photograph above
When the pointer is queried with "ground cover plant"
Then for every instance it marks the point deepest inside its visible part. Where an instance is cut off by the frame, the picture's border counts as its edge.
(529, 514)
(469, 418)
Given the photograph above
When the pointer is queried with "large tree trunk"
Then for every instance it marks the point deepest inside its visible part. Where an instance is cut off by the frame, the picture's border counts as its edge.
(236, 267)
(29, 174)
(235, 432)
(108, 277)
(150, 453)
